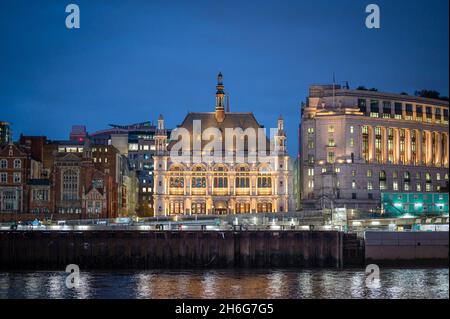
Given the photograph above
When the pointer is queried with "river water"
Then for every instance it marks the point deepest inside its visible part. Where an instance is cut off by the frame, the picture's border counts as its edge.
(292, 284)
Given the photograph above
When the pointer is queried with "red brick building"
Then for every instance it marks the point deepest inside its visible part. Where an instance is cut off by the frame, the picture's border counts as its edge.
(60, 180)
(14, 172)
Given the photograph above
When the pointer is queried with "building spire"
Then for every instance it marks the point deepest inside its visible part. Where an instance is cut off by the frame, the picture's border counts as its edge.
(220, 100)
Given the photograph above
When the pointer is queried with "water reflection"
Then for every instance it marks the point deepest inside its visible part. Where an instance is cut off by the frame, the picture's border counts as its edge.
(247, 284)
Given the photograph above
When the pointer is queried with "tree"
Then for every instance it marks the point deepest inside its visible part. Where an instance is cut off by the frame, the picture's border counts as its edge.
(431, 94)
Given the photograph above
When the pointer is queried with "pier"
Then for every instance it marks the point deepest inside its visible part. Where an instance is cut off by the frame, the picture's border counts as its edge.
(126, 249)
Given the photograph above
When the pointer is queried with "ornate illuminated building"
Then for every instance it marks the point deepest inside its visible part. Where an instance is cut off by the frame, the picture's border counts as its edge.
(222, 187)
(357, 144)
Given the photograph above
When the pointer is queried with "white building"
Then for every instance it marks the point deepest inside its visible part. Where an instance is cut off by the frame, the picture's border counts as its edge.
(356, 144)
(221, 187)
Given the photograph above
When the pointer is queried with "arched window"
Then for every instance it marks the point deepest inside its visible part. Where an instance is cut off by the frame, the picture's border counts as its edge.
(382, 175)
(3, 163)
(17, 163)
(70, 185)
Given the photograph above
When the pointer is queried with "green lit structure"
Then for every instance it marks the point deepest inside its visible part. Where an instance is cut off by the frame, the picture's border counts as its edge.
(415, 204)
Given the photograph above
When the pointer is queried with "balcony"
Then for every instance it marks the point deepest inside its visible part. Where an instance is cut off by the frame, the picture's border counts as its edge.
(242, 191)
(176, 191)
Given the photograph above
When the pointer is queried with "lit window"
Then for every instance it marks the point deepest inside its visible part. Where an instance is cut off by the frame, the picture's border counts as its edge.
(353, 173)
(438, 176)
(330, 157)
(17, 177)
(352, 142)
(331, 142)
(369, 173)
(324, 170)
(337, 170)
(395, 186)
(17, 163)
(353, 184)
(418, 187)
(369, 185)
(352, 129)
(331, 129)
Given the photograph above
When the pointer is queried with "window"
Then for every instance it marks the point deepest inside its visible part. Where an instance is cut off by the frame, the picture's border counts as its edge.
(324, 170)
(369, 173)
(70, 185)
(242, 182)
(310, 130)
(353, 195)
(409, 111)
(311, 184)
(198, 182)
(330, 157)
(310, 171)
(386, 109)
(17, 163)
(369, 185)
(428, 113)
(362, 105)
(419, 113)
(352, 129)
(374, 108)
(311, 144)
(398, 110)
(438, 176)
(40, 195)
(437, 115)
(331, 142)
(3, 163)
(331, 129)
(353, 173)
(3, 178)
(418, 187)
(337, 170)
(176, 182)
(17, 177)
(352, 142)
(221, 182)
(395, 186)
(353, 184)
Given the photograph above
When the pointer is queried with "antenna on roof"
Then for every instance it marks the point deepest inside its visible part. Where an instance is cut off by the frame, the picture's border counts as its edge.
(334, 91)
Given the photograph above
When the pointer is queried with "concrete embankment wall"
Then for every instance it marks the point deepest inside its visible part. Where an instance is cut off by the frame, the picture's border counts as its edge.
(406, 247)
(183, 249)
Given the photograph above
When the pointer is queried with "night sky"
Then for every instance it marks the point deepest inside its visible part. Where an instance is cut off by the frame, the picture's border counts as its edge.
(132, 60)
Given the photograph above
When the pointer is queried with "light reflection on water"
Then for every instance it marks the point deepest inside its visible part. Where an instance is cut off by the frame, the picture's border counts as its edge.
(248, 284)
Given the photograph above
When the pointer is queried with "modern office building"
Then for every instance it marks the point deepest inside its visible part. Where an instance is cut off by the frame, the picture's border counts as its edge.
(358, 144)
(5, 133)
(137, 142)
(214, 185)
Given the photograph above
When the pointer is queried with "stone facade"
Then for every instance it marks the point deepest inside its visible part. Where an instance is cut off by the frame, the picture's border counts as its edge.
(220, 187)
(357, 144)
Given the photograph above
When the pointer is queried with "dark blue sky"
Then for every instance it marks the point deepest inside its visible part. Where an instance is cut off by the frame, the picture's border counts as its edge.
(132, 60)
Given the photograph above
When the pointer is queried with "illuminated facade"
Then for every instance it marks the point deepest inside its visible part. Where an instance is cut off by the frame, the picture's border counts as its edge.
(220, 187)
(358, 144)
